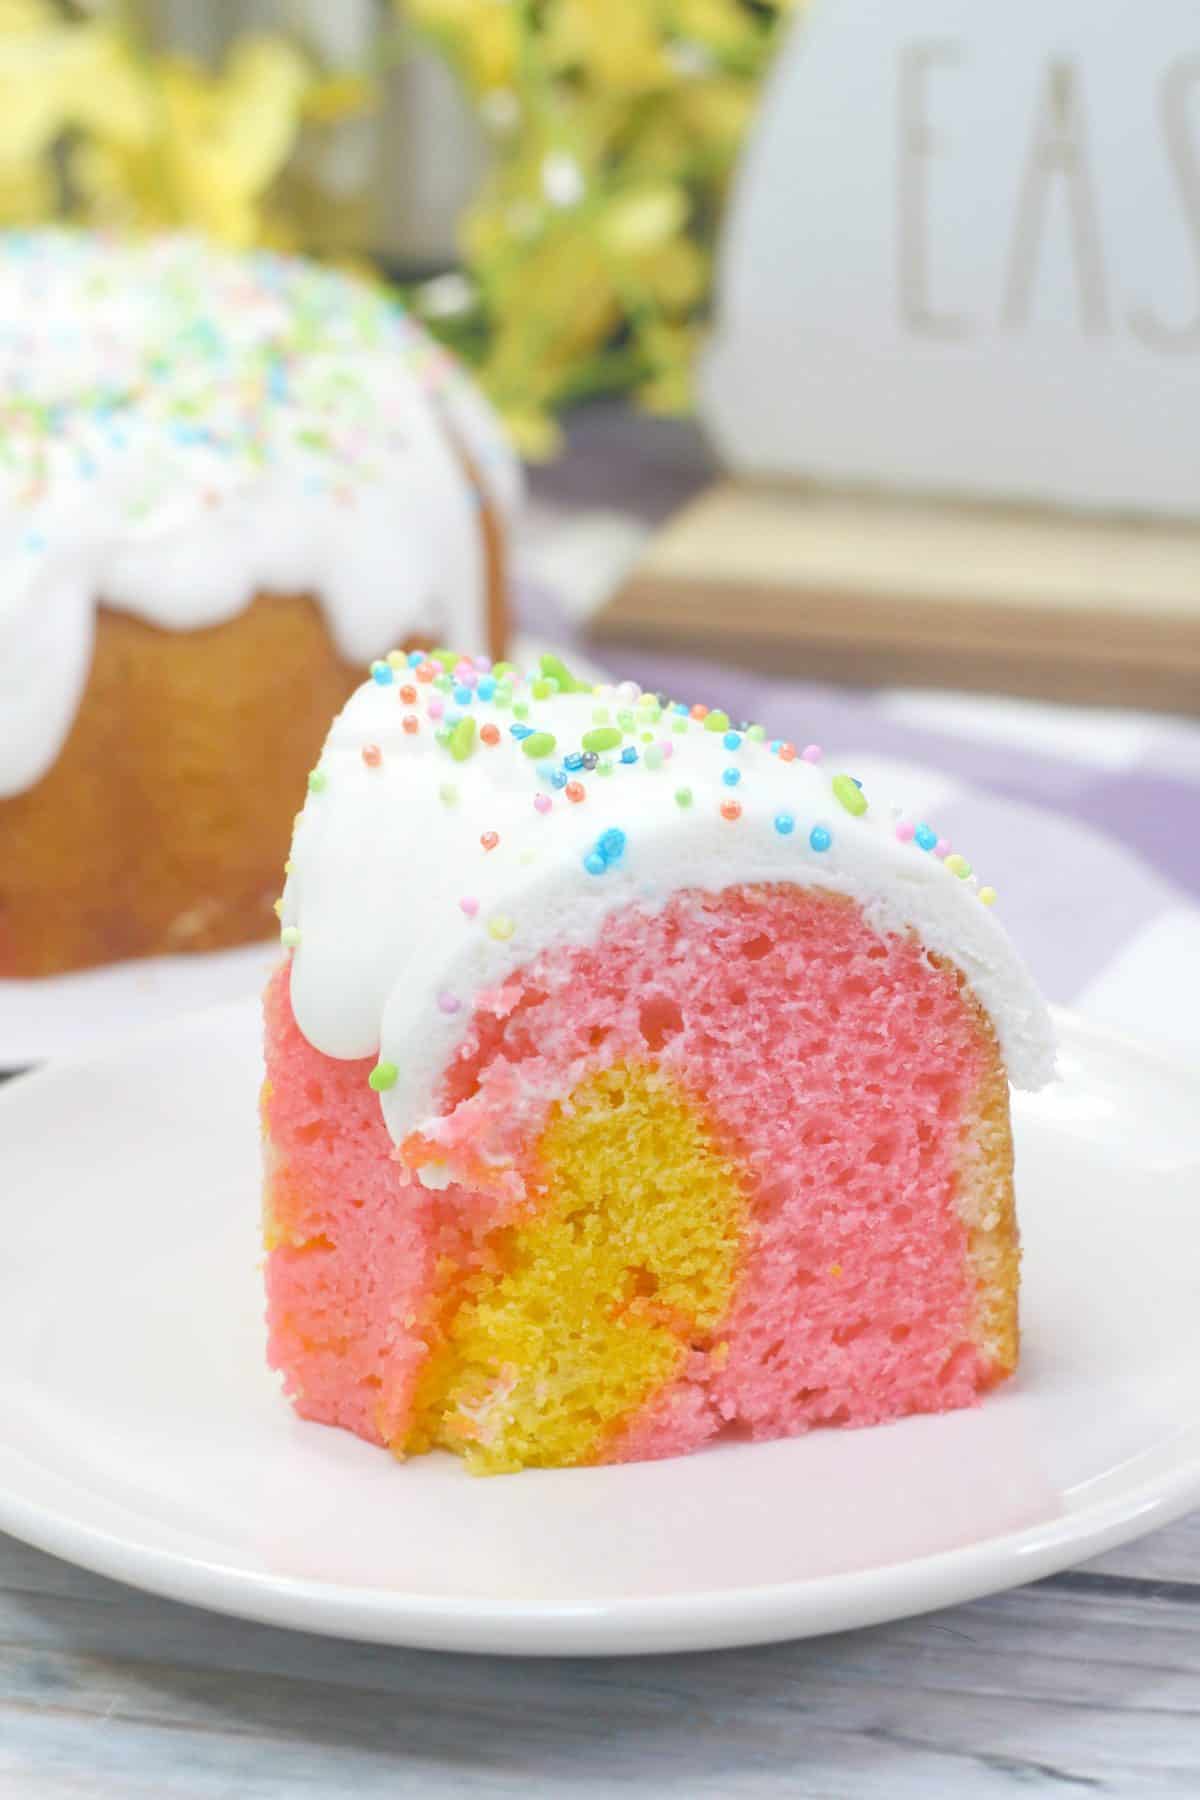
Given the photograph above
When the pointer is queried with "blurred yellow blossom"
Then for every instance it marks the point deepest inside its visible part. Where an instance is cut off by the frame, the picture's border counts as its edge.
(615, 125)
(217, 144)
(95, 126)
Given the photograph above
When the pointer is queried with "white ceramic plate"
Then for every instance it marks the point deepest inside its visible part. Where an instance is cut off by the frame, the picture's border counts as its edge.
(141, 1434)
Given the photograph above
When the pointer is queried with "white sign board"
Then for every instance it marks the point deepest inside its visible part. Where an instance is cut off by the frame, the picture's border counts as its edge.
(963, 254)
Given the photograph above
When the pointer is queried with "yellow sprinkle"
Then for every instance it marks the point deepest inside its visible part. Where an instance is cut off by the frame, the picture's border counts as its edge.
(835, 1269)
(988, 896)
(396, 659)
(958, 865)
(287, 867)
(279, 907)
(501, 926)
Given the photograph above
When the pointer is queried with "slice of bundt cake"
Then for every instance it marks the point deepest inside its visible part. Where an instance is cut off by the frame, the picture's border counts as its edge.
(631, 1079)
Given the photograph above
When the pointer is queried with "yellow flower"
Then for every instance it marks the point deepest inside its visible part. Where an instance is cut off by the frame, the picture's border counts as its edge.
(616, 43)
(645, 219)
(218, 144)
(481, 37)
(54, 76)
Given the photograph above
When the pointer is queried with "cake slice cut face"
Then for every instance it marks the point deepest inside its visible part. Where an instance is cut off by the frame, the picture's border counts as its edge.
(598, 1141)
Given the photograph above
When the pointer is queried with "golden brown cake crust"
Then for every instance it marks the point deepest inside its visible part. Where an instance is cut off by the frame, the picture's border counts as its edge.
(164, 822)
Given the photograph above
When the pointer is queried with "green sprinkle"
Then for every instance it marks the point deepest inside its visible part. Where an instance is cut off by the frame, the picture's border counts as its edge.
(605, 737)
(647, 737)
(502, 699)
(679, 726)
(442, 683)
(600, 715)
(520, 709)
(605, 767)
(653, 712)
(501, 669)
(383, 1076)
(448, 794)
(683, 797)
(625, 718)
(958, 865)
(542, 743)
(543, 687)
(850, 795)
(317, 781)
(442, 736)
(462, 739)
(716, 721)
(289, 937)
(449, 659)
(653, 758)
(757, 734)
(558, 671)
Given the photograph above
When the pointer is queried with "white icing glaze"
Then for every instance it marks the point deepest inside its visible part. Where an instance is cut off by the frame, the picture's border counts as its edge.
(182, 427)
(384, 855)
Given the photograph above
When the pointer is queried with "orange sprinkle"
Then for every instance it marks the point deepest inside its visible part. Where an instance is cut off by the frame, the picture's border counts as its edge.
(372, 755)
(489, 735)
(731, 809)
(787, 752)
(411, 723)
(699, 712)
(408, 694)
(489, 839)
(425, 671)
(575, 790)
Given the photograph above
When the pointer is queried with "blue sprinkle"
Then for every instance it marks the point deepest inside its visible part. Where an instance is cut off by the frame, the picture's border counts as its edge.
(731, 777)
(34, 539)
(784, 824)
(629, 754)
(594, 863)
(776, 746)
(415, 658)
(558, 778)
(856, 781)
(520, 731)
(464, 695)
(732, 741)
(574, 761)
(382, 674)
(486, 687)
(925, 837)
(819, 838)
(680, 707)
(611, 845)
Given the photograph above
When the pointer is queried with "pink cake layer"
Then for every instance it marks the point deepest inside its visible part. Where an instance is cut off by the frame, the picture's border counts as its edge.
(832, 1066)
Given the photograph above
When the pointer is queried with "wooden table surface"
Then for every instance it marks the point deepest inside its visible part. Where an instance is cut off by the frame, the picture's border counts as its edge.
(1088, 1682)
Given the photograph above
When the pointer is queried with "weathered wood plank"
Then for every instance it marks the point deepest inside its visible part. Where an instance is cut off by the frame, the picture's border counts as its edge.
(108, 1692)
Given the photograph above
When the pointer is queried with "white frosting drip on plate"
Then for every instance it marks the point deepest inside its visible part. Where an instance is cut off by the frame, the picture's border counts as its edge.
(182, 427)
(387, 850)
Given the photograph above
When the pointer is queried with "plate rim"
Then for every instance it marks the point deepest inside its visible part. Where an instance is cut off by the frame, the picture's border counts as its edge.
(705, 1619)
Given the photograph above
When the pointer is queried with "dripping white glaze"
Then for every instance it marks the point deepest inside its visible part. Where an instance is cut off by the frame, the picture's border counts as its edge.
(404, 914)
(182, 427)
